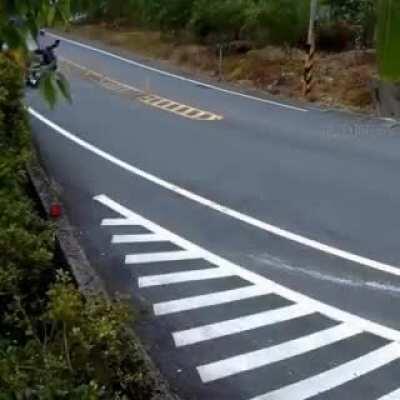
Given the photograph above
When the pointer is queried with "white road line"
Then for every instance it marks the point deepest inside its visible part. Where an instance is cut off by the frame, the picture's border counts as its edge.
(162, 256)
(363, 261)
(119, 222)
(181, 78)
(207, 300)
(391, 396)
(335, 377)
(256, 279)
(143, 238)
(260, 358)
(238, 325)
(180, 277)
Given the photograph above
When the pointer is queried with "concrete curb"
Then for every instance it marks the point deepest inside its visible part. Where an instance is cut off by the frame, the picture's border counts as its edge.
(86, 277)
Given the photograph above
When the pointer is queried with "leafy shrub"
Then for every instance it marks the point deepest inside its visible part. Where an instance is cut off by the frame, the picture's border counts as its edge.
(389, 40)
(25, 240)
(54, 344)
(171, 15)
(336, 36)
(13, 126)
(360, 15)
(277, 21)
(79, 349)
(222, 20)
(267, 21)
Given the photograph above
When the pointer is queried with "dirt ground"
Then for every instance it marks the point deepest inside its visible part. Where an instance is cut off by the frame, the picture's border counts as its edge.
(340, 79)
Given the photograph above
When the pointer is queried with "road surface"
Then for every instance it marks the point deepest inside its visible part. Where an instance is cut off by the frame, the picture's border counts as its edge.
(259, 239)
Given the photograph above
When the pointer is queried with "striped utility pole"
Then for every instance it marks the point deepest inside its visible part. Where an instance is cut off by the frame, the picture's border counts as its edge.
(311, 47)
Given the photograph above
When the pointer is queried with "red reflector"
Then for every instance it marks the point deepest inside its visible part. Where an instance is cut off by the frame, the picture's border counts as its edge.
(55, 210)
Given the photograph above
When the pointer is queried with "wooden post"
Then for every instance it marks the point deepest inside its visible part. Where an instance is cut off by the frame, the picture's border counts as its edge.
(220, 61)
(311, 47)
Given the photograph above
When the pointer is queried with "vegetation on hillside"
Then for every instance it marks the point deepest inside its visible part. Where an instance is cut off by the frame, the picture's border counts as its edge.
(282, 22)
(210, 19)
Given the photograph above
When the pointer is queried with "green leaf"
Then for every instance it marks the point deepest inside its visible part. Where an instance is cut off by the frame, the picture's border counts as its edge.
(48, 88)
(13, 37)
(63, 86)
(32, 26)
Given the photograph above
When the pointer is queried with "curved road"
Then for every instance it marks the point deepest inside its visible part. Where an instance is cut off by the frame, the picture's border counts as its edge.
(259, 238)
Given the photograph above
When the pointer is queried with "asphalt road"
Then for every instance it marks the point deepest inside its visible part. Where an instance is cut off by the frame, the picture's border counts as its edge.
(259, 238)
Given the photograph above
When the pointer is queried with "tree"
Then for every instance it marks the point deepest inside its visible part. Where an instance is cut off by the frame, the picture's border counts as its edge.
(359, 13)
(21, 20)
(223, 19)
(278, 21)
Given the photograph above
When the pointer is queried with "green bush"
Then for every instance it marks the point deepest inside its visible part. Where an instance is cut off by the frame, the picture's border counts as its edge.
(278, 21)
(25, 240)
(266, 21)
(222, 20)
(78, 349)
(389, 40)
(54, 344)
(336, 36)
(358, 15)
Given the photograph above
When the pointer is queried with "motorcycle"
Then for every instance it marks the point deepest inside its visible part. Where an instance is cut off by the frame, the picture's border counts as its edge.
(43, 60)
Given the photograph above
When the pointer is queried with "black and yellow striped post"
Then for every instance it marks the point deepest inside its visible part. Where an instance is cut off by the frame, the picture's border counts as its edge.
(309, 70)
(311, 47)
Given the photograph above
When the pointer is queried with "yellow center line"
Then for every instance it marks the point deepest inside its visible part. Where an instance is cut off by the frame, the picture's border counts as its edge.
(149, 99)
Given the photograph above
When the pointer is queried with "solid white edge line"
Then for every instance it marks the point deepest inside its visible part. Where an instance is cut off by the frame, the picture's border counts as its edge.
(366, 262)
(181, 78)
(311, 304)
(270, 355)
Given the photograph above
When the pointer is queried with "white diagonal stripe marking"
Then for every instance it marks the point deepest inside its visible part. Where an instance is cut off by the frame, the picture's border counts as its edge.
(256, 359)
(391, 396)
(254, 278)
(142, 238)
(119, 222)
(335, 377)
(178, 277)
(237, 325)
(207, 300)
(162, 256)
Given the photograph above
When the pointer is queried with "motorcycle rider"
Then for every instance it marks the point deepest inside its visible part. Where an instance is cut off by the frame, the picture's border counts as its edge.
(44, 60)
(46, 52)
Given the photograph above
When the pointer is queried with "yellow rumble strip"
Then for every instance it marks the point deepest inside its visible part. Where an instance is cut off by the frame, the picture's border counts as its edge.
(144, 97)
(178, 108)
